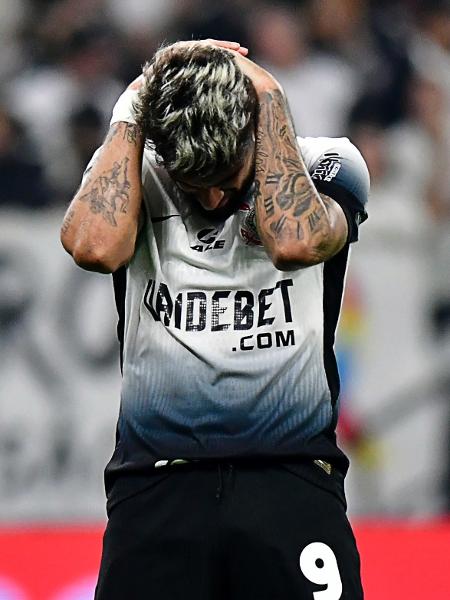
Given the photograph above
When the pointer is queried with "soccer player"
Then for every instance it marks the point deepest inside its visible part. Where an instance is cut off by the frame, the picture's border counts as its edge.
(228, 239)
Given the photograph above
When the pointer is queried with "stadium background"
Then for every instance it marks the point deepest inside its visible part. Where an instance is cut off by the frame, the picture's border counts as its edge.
(376, 71)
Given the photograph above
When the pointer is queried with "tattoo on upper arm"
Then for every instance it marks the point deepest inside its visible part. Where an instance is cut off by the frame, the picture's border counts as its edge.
(109, 192)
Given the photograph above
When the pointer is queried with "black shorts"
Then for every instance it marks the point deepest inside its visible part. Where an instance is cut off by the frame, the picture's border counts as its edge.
(241, 531)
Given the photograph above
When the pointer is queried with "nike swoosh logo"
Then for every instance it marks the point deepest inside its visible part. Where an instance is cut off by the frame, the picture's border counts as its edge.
(159, 219)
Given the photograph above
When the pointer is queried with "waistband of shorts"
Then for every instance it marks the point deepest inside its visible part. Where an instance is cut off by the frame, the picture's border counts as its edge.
(328, 467)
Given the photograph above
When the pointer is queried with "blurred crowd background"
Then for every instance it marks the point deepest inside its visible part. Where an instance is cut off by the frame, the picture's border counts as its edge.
(377, 71)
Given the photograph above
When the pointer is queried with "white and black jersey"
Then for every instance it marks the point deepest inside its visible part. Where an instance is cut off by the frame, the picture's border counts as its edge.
(223, 355)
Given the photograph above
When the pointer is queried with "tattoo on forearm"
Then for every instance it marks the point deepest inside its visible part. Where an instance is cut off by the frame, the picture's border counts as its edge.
(301, 206)
(109, 193)
(273, 178)
(130, 134)
(268, 206)
(277, 226)
(314, 221)
(287, 203)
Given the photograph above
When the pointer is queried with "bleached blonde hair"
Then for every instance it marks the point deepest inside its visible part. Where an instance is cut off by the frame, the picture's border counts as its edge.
(197, 109)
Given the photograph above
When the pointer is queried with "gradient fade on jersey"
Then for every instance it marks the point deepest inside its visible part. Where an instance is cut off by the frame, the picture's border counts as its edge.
(224, 355)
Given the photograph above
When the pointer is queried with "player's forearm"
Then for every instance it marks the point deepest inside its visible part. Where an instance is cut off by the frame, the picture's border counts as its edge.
(100, 226)
(294, 222)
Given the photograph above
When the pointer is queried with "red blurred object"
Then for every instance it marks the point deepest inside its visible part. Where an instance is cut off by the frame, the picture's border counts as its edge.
(405, 560)
(399, 560)
(48, 563)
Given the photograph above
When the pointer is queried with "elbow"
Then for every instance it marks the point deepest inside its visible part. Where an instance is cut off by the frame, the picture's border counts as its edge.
(288, 258)
(99, 259)
(99, 262)
(95, 257)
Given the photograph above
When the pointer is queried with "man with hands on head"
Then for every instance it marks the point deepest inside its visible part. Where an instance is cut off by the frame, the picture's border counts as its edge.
(228, 239)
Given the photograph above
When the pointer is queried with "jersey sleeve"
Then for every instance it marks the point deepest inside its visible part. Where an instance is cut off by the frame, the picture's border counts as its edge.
(339, 171)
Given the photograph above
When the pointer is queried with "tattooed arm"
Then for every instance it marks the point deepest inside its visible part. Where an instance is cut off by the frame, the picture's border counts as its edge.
(298, 226)
(100, 226)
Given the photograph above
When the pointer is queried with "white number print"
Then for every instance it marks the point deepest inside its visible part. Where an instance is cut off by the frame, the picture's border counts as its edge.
(318, 564)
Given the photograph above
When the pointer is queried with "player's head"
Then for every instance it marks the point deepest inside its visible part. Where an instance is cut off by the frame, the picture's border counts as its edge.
(198, 110)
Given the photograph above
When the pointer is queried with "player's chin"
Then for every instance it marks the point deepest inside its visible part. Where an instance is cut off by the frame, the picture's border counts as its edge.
(222, 203)
(225, 209)
(227, 206)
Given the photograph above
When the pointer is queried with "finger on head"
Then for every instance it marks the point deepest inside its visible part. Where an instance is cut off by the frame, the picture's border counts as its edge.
(223, 43)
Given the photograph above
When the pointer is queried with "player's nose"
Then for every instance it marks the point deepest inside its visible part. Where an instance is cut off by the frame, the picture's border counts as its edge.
(211, 198)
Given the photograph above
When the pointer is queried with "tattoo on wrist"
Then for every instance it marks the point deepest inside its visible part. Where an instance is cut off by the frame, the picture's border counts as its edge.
(109, 193)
